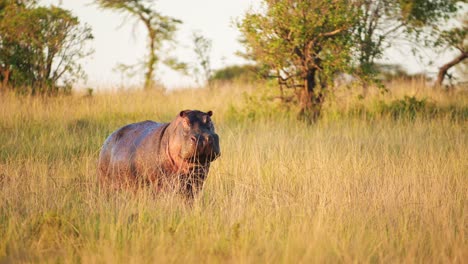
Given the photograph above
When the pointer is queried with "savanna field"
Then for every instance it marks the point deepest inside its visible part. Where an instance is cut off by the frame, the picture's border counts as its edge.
(380, 179)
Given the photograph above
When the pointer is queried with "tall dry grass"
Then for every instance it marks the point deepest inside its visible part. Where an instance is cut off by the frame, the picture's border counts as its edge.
(347, 189)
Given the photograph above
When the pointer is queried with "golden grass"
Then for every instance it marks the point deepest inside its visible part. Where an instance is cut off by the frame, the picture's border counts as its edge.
(342, 190)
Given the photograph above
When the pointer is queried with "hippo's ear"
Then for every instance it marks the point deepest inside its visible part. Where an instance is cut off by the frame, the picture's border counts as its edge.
(183, 113)
(210, 113)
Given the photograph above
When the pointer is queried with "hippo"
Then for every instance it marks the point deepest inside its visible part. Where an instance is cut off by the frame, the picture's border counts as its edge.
(175, 155)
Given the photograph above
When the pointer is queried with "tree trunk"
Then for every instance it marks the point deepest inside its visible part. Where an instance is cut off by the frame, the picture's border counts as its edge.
(151, 60)
(310, 101)
(367, 69)
(365, 89)
(6, 78)
(150, 68)
(443, 70)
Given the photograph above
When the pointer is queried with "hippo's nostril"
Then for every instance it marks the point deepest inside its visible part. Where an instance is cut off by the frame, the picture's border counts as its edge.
(194, 139)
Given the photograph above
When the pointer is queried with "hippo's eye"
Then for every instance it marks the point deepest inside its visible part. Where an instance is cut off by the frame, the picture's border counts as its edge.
(207, 121)
(186, 123)
(187, 128)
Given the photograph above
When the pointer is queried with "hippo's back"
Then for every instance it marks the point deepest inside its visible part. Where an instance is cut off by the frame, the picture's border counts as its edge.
(118, 151)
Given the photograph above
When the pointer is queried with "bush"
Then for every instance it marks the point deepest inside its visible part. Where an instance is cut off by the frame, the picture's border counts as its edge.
(408, 107)
(254, 107)
(243, 73)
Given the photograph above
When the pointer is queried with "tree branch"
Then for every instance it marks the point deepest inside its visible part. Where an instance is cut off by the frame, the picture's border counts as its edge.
(443, 70)
(332, 33)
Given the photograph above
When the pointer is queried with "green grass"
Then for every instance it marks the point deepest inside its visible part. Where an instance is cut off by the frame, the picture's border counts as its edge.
(352, 188)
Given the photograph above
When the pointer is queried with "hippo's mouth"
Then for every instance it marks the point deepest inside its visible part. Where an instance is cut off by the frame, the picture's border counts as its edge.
(208, 154)
(211, 152)
(204, 157)
(209, 158)
(202, 150)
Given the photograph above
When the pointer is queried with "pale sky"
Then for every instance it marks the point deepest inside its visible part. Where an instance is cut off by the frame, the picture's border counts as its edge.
(119, 41)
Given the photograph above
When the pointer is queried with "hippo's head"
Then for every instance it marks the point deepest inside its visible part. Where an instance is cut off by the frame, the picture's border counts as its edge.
(197, 137)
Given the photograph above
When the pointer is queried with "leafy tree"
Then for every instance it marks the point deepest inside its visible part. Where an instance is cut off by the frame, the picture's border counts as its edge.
(378, 21)
(242, 73)
(455, 39)
(40, 46)
(160, 28)
(202, 49)
(303, 42)
(22, 3)
(382, 21)
(7, 51)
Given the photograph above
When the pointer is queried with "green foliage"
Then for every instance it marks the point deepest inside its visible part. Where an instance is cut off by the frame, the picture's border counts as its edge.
(302, 42)
(369, 37)
(381, 21)
(283, 30)
(40, 48)
(293, 38)
(409, 108)
(243, 73)
(455, 38)
(421, 13)
(256, 107)
(22, 3)
(202, 49)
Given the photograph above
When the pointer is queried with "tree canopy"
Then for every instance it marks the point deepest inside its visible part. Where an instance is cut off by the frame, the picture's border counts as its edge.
(40, 47)
(303, 42)
(454, 39)
(381, 22)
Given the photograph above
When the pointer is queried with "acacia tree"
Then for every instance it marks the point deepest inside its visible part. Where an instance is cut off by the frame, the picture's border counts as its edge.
(9, 52)
(160, 29)
(41, 46)
(428, 21)
(380, 22)
(202, 49)
(455, 39)
(302, 42)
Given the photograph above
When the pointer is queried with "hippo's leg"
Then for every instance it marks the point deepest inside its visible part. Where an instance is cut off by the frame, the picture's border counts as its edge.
(193, 184)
